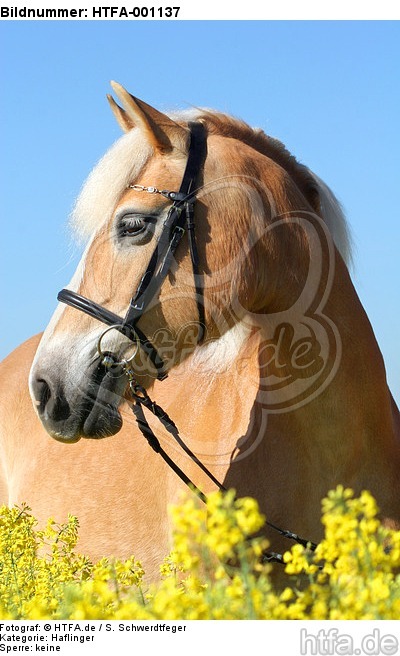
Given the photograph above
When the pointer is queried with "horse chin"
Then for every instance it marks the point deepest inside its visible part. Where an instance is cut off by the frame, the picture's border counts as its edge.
(99, 423)
(102, 422)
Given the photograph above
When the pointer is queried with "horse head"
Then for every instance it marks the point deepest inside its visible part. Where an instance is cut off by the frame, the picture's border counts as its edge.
(247, 184)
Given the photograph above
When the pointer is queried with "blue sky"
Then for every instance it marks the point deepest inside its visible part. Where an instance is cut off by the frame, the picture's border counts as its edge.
(329, 90)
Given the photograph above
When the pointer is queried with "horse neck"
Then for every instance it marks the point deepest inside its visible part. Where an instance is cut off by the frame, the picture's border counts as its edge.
(340, 430)
(358, 392)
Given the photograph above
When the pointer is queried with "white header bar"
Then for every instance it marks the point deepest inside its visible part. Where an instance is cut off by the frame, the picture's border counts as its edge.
(181, 10)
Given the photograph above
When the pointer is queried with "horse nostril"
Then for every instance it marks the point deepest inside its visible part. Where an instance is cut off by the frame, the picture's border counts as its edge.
(42, 394)
(50, 400)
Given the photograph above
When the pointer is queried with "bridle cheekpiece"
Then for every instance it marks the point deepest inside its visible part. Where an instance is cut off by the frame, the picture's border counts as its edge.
(180, 219)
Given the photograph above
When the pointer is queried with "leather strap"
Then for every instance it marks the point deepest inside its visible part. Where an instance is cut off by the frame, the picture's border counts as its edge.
(172, 233)
(179, 217)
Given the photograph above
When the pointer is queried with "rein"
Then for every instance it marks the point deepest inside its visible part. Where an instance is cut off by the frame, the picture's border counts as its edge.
(180, 219)
(141, 398)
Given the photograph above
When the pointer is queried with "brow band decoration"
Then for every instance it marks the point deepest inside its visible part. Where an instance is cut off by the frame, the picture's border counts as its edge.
(171, 195)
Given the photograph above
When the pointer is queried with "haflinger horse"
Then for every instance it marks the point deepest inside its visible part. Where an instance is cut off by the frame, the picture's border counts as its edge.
(215, 279)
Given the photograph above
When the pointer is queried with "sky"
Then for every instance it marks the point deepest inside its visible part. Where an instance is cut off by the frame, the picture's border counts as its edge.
(329, 90)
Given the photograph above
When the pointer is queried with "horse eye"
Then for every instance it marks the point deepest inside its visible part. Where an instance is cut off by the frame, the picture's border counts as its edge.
(131, 226)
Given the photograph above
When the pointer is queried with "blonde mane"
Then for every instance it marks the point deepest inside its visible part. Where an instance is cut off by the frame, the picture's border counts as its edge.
(107, 181)
(123, 161)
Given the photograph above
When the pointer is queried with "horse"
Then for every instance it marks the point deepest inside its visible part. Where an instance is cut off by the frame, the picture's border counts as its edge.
(270, 369)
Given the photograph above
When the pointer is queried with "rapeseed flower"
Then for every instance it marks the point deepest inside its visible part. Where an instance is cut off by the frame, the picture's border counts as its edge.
(214, 570)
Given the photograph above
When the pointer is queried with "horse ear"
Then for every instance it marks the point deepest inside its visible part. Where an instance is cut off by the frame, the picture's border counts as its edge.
(162, 132)
(120, 114)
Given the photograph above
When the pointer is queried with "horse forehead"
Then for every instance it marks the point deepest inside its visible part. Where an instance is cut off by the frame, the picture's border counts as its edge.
(161, 175)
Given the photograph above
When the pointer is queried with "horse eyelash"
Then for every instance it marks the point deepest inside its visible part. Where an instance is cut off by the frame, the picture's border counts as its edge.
(131, 221)
(136, 219)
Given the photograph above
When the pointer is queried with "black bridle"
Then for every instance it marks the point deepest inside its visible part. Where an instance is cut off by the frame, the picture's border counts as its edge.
(180, 219)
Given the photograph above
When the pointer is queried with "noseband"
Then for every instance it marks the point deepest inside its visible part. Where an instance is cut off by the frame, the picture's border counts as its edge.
(180, 219)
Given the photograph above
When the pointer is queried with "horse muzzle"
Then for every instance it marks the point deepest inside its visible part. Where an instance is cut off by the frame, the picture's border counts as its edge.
(90, 410)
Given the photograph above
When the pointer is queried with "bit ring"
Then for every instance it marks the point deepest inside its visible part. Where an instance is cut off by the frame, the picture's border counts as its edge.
(107, 358)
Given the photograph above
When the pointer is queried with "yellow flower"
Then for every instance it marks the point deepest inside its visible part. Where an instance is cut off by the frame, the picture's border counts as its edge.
(214, 570)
